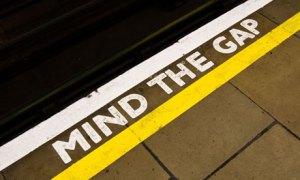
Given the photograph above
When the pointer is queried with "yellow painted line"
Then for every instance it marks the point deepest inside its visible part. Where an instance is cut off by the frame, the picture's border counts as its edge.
(119, 145)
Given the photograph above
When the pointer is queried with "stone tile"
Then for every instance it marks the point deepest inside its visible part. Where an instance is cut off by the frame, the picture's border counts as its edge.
(205, 136)
(276, 155)
(137, 164)
(273, 83)
(280, 10)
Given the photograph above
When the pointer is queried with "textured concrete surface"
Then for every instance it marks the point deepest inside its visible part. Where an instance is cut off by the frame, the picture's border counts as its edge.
(273, 83)
(275, 155)
(137, 164)
(209, 133)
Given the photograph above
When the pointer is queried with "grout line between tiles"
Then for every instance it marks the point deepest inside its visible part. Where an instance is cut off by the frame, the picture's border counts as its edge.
(266, 129)
(155, 157)
(282, 125)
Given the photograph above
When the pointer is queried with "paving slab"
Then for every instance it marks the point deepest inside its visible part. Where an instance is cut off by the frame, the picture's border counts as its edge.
(276, 155)
(280, 10)
(208, 134)
(138, 164)
(273, 83)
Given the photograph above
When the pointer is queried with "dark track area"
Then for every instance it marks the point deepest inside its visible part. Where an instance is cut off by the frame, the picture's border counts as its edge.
(64, 53)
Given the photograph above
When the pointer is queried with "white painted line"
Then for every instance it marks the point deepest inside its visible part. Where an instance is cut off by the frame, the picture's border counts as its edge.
(55, 125)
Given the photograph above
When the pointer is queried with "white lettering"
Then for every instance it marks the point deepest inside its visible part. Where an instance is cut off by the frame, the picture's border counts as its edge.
(158, 80)
(199, 63)
(240, 36)
(129, 109)
(117, 118)
(91, 132)
(250, 25)
(230, 46)
(75, 137)
(183, 72)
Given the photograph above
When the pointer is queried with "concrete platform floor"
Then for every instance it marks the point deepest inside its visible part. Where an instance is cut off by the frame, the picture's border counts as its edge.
(247, 129)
